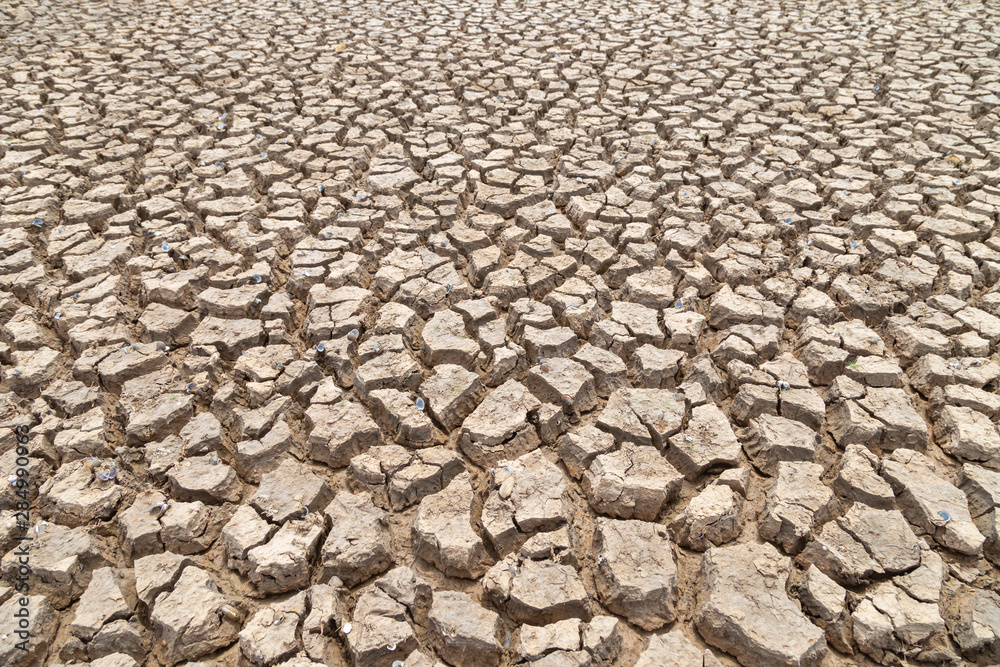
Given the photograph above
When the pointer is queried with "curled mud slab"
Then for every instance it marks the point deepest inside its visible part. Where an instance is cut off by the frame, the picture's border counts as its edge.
(408, 334)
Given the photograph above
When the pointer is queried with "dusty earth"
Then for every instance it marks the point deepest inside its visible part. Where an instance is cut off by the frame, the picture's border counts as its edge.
(420, 333)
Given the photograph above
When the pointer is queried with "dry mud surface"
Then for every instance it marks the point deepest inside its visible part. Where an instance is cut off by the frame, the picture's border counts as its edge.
(409, 334)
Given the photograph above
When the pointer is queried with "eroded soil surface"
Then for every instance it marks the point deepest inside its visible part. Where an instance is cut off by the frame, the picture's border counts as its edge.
(409, 334)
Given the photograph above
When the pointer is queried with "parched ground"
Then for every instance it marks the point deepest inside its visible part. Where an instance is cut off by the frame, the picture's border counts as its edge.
(410, 334)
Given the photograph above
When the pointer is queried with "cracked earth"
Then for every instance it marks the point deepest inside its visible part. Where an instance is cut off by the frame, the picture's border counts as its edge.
(571, 334)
